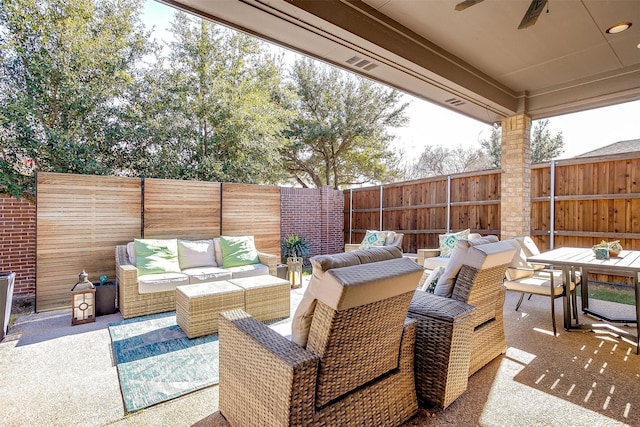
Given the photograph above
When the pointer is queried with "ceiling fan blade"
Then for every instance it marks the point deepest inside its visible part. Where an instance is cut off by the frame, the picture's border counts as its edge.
(530, 18)
(466, 3)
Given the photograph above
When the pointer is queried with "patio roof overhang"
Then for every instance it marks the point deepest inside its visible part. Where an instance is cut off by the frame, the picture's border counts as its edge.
(475, 62)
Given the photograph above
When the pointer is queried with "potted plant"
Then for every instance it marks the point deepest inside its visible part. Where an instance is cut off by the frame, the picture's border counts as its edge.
(295, 245)
(105, 296)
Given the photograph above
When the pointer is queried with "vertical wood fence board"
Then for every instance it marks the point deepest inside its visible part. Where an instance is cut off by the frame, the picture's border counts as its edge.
(252, 210)
(181, 209)
(80, 220)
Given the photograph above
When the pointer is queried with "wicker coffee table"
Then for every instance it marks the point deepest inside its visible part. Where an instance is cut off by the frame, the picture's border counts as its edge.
(265, 297)
(198, 305)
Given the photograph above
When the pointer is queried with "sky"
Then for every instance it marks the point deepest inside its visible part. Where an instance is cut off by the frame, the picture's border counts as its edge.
(430, 124)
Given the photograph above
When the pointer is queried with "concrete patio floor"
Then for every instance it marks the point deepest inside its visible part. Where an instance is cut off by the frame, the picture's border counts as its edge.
(57, 375)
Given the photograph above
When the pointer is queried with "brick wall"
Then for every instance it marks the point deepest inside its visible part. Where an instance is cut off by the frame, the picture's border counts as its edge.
(316, 214)
(18, 243)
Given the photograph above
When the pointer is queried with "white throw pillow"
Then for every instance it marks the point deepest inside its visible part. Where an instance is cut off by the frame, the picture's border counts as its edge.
(196, 253)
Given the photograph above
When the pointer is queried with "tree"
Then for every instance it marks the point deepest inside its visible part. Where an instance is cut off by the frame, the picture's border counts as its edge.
(340, 135)
(493, 146)
(440, 160)
(544, 147)
(211, 109)
(63, 67)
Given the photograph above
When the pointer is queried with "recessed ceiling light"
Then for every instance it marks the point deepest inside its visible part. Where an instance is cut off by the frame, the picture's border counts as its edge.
(618, 28)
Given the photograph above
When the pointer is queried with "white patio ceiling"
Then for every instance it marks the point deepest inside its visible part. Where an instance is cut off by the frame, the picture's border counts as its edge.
(475, 61)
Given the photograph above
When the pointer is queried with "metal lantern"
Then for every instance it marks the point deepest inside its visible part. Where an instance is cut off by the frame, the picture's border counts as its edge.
(295, 271)
(83, 301)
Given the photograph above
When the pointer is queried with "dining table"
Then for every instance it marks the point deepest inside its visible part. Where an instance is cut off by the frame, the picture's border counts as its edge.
(583, 260)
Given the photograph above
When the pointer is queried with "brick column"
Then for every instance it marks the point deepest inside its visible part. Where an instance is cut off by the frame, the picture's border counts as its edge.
(515, 209)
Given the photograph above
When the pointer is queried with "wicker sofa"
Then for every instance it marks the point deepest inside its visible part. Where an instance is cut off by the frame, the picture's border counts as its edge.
(139, 295)
(350, 357)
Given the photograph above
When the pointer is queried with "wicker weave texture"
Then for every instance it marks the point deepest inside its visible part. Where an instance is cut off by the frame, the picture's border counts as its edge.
(480, 288)
(443, 348)
(350, 359)
(266, 380)
(265, 297)
(489, 341)
(197, 306)
(132, 303)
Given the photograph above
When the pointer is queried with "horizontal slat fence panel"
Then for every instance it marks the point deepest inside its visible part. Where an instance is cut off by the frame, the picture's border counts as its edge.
(181, 209)
(80, 220)
(252, 210)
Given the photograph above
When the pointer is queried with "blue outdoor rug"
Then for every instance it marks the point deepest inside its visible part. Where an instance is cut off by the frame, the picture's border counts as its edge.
(157, 362)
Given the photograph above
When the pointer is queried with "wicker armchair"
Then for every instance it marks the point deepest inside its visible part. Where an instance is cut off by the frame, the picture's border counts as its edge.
(467, 327)
(355, 366)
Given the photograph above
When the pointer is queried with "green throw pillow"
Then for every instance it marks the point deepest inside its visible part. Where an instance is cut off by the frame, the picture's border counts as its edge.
(373, 238)
(238, 251)
(448, 241)
(156, 256)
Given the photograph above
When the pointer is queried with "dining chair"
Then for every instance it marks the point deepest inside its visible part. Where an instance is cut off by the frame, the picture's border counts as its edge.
(536, 279)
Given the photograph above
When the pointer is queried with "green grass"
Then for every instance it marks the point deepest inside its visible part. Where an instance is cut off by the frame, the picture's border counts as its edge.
(611, 292)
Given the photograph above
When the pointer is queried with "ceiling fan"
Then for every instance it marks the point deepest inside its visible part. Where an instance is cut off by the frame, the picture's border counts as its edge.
(530, 18)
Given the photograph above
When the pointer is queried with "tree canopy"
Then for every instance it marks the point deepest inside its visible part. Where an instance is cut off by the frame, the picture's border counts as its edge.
(544, 146)
(441, 160)
(340, 134)
(210, 109)
(63, 66)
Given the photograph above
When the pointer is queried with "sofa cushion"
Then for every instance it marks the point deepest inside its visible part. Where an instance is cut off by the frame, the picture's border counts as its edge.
(344, 287)
(217, 249)
(248, 270)
(322, 263)
(206, 274)
(196, 253)
(238, 251)
(161, 282)
(431, 263)
(156, 256)
(459, 256)
(448, 241)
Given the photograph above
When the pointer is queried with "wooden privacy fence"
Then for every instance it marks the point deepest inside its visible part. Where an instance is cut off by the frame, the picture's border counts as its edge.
(81, 218)
(575, 202)
(425, 208)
